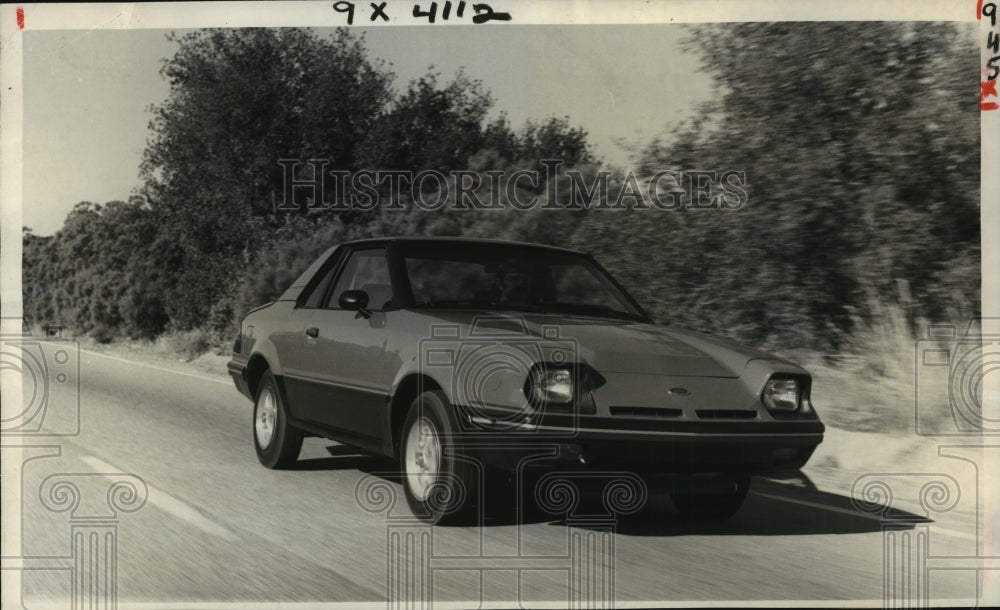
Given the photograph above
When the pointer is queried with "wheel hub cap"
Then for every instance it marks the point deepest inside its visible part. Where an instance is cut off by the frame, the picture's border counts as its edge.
(423, 458)
(267, 415)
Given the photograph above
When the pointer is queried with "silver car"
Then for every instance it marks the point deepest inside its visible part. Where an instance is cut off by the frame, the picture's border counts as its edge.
(468, 360)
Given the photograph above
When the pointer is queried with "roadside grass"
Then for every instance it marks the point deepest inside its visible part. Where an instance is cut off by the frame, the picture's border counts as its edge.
(872, 384)
(173, 349)
(189, 344)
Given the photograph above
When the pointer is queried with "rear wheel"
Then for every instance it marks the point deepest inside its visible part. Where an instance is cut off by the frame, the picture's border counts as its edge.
(277, 442)
(713, 505)
(439, 483)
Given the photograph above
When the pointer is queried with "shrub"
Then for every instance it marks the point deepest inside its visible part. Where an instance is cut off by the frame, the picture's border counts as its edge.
(189, 343)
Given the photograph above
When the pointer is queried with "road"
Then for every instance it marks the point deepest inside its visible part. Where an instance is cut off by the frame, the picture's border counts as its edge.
(218, 528)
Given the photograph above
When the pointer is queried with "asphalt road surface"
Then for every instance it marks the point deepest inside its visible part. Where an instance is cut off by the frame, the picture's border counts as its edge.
(217, 529)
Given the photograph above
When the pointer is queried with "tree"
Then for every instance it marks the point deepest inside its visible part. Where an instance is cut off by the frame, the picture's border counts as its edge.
(107, 271)
(855, 182)
(240, 101)
(429, 127)
(555, 138)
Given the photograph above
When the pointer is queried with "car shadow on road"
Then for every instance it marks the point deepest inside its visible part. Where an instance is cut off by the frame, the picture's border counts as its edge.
(786, 505)
(345, 457)
(772, 508)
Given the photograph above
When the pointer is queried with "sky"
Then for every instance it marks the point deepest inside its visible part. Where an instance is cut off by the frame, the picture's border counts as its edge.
(88, 93)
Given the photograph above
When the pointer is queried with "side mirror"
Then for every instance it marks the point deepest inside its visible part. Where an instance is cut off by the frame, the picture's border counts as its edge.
(355, 300)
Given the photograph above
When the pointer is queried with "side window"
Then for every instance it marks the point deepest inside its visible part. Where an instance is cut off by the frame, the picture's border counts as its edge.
(366, 270)
(315, 297)
(312, 296)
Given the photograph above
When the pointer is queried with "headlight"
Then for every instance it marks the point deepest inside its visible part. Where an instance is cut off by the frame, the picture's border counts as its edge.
(552, 385)
(781, 394)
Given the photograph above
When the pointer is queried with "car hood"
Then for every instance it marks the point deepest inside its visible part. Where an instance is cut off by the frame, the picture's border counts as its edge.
(616, 346)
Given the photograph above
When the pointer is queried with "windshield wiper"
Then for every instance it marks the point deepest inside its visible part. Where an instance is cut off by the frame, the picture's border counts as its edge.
(595, 311)
(447, 303)
(479, 304)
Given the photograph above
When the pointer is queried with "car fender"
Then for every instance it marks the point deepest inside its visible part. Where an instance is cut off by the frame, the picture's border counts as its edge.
(257, 334)
(405, 388)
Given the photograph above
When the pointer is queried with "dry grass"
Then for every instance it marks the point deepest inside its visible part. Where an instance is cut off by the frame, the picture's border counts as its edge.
(872, 385)
(187, 344)
(173, 350)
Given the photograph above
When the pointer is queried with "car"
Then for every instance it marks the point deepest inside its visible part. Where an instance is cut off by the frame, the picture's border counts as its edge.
(471, 360)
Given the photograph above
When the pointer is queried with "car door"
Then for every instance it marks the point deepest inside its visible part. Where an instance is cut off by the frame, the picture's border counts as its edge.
(343, 381)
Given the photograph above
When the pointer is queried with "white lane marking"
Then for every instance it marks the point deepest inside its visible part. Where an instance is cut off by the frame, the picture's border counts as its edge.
(854, 513)
(158, 368)
(168, 503)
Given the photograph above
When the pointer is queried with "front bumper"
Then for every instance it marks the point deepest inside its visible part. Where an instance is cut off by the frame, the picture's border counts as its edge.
(651, 447)
(238, 371)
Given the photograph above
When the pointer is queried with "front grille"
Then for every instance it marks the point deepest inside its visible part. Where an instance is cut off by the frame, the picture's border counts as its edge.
(726, 414)
(645, 412)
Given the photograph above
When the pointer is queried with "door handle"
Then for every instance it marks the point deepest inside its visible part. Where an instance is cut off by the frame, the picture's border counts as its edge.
(312, 332)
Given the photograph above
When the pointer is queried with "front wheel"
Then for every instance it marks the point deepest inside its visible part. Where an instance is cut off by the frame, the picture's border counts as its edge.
(277, 442)
(439, 483)
(714, 505)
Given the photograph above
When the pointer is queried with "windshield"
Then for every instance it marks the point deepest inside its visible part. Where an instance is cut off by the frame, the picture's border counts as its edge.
(491, 276)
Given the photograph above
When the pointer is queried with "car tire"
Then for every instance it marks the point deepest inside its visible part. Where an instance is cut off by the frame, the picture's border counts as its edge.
(277, 442)
(712, 506)
(439, 481)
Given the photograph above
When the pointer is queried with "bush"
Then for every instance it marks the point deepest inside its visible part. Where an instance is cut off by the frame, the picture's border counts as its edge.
(291, 249)
(870, 384)
(189, 343)
(223, 324)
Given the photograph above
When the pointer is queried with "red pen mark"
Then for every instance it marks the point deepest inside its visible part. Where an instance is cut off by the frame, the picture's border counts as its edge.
(979, 10)
(20, 18)
(987, 88)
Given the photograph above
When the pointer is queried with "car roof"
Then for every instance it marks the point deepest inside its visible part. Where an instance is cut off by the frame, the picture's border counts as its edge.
(470, 240)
